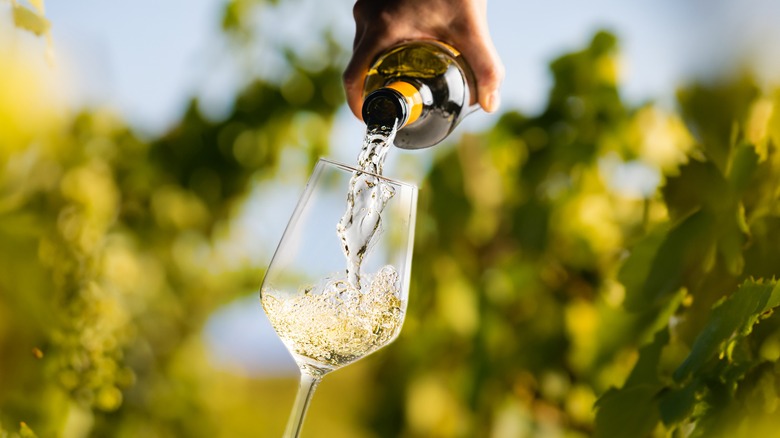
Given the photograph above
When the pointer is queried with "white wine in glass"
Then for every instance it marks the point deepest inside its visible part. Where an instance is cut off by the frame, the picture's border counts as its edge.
(338, 284)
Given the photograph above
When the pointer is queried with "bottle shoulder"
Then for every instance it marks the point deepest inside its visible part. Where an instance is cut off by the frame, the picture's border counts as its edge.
(443, 79)
(419, 60)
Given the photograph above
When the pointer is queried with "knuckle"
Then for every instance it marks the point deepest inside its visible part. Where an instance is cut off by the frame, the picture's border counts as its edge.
(492, 73)
(360, 10)
(350, 80)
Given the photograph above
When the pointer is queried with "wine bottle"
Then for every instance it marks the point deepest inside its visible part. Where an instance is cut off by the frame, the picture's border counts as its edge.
(425, 88)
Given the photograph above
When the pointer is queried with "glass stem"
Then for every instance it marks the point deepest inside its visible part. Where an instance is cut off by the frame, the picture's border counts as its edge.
(305, 391)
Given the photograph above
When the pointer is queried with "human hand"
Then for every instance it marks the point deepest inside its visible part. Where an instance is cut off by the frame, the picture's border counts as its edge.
(380, 24)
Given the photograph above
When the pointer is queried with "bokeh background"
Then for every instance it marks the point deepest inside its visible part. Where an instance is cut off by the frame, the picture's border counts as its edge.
(598, 259)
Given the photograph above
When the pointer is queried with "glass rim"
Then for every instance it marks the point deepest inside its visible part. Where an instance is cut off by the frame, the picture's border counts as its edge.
(355, 169)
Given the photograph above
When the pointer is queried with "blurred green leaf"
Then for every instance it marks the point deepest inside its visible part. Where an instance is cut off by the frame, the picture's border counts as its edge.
(636, 268)
(731, 318)
(26, 432)
(679, 255)
(628, 413)
(633, 409)
(743, 166)
(699, 185)
(677, 405)
(31, 21)
(645, 371)
(714, 112)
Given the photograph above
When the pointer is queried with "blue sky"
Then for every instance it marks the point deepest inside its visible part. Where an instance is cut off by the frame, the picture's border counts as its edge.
(146, 59)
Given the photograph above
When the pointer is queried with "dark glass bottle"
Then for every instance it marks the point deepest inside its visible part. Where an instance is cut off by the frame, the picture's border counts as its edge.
(425, 85)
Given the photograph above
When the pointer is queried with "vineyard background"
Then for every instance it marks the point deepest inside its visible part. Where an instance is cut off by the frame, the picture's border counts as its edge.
(598, 269)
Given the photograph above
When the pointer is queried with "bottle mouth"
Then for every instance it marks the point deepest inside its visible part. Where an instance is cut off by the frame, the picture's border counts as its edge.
(385, 107)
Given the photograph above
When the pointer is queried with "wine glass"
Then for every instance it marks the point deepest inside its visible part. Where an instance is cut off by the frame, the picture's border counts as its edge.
(337, 287)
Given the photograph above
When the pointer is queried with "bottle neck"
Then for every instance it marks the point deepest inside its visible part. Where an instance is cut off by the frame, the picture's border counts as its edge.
(397, 103)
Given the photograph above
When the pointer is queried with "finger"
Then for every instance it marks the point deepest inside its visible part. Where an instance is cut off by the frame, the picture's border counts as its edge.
(481, 54)
(488, 72)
